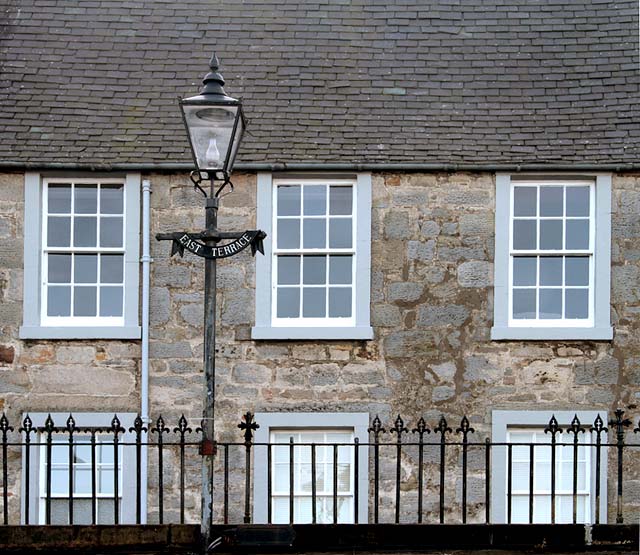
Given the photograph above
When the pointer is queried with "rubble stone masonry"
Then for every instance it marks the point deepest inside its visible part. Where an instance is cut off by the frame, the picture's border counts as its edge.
(431, 310)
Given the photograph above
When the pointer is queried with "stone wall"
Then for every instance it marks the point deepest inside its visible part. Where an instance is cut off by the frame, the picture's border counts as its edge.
(431, 308)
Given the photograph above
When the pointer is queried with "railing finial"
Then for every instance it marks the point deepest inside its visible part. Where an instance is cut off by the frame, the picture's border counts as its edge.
(248, 425)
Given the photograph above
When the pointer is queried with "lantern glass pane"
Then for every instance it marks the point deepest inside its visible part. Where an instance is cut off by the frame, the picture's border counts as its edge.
(210, 130)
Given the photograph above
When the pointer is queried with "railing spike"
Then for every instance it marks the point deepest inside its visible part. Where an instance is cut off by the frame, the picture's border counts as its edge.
(248, 425)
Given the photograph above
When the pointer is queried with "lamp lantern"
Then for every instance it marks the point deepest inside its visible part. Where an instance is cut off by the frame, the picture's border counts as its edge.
(215, 124)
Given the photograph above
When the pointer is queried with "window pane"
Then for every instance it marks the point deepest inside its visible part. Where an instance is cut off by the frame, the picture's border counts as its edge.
(551, 234)
(58, 301)
(577, 201)
(84, 231)
(288, 234)
(313, 302)
(524, 201)
(288, 302)
(577, 270)
(111, 301)
(288, 270)
(59, 199)
(550, 270)
(340, 233)
(85, 268)
(340, 269)
(110, 232)
(58, 232)
(106, 481)
(82, 483)
(111, 268)
(551, 202)
(314, 270)
(84, 301)
(82, 453)
(59, 481)
(59, 270)
(315, 234)
(550, 303)
(524, 234)
(340, 200)
(577, 234)
(111, 199)
(289, 200)
(577, 303)
(524, 303)
(315, 200)
(85, 199)
(339, 302)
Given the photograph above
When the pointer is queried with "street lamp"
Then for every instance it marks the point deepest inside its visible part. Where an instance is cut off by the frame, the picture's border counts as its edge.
(215, 125)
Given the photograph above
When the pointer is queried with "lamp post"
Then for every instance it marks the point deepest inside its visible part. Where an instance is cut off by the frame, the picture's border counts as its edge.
(215, 124)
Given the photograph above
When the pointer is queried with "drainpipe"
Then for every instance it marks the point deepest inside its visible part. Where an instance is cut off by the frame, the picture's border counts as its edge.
(144, 393)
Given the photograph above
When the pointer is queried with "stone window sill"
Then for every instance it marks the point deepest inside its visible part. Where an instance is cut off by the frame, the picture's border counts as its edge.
(310, 333)
(533, 334)
(71, 332)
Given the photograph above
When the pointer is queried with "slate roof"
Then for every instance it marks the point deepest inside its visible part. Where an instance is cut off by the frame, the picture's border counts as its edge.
(95, 82)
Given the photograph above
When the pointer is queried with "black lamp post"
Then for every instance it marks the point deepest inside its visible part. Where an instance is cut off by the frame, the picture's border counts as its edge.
(215, 125)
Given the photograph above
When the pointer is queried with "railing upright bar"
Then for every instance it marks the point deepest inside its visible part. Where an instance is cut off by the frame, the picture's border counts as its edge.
(291, 479)
(531, 480)
(335, 484)
(116, 428)
(398, 429)
(314, 515)
(376, 428)
(598, 427)
(356, 481)
(465, 429)
(94, 484)
(49, 429)
(160, 429)
(225, 486)
(70, 428)
(553, 479)
(27, 427)
(269, 484)
(509, 481)
(5, 428)
(487, 488)
(182, 430)
(620, 424)
(138, 428)
(442, 429)
(420, 429)
(248, 426)
(553, 429)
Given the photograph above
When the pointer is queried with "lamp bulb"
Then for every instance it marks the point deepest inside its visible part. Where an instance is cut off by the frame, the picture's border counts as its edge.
(212, 156)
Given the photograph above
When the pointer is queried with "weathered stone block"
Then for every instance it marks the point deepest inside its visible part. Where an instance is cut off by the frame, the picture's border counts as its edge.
(159, 305)
(7, 354)
(175, 349)
(475, 273)
(385, 315)
(323, 374)
(251, 373)
(424, 252)
(405, 292)
(398, 225)
(193, 314)
(238, 307)
(75, 355)
(430, 229)
(442, 393)
(435, 315)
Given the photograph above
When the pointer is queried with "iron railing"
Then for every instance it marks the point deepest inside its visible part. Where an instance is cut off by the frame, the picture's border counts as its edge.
(412, 479)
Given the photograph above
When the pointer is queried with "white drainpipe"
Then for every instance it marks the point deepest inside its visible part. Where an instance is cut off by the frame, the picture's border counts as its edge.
(144, 393)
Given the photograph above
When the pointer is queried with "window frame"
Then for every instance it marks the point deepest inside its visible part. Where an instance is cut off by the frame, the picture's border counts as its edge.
(267, 326)
(598, 327)
(127, 485)
(35, 325)
(355, 422)
(502, 420)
